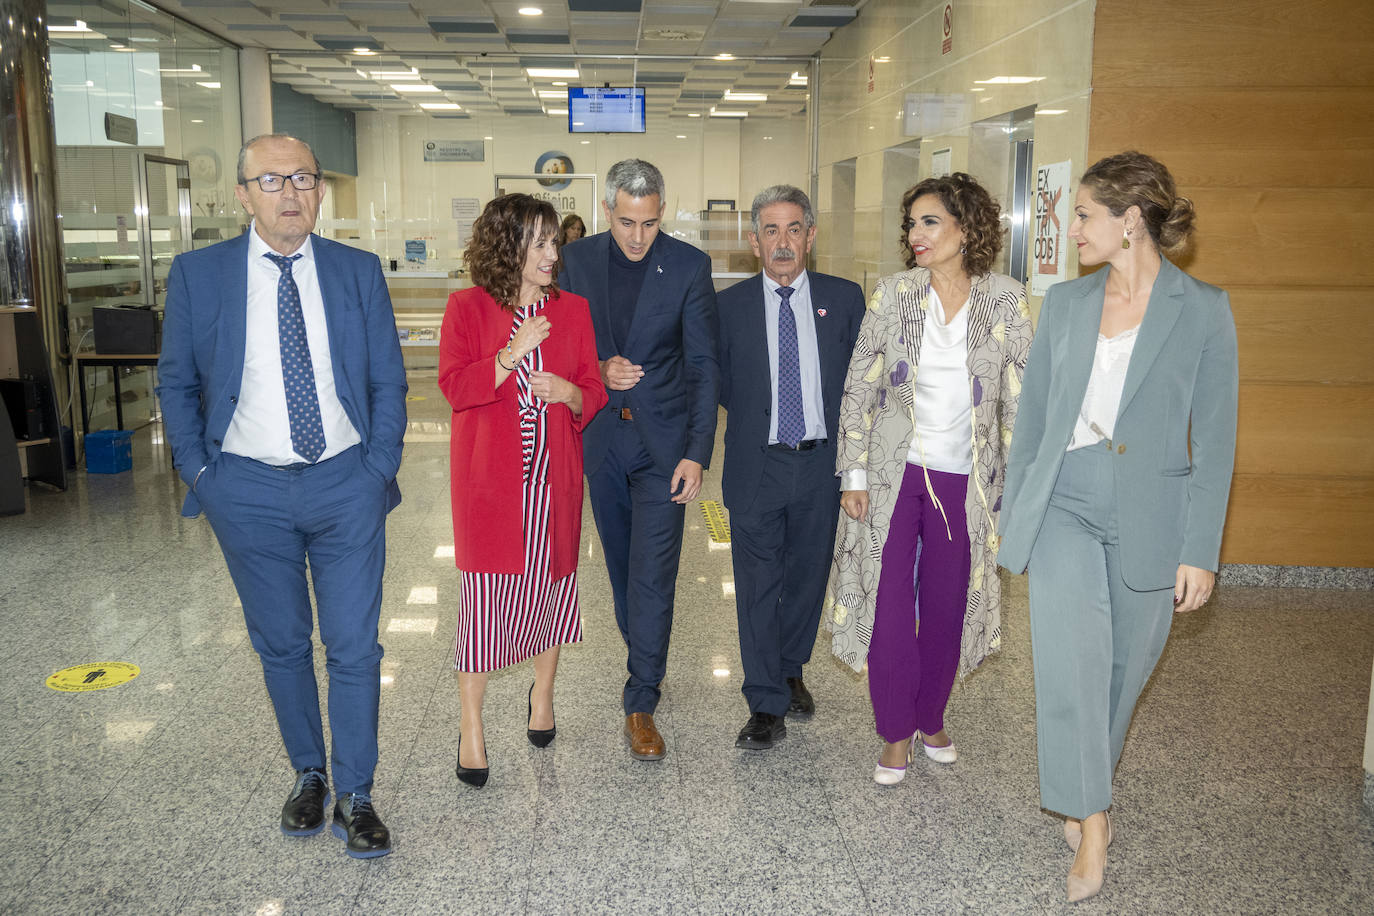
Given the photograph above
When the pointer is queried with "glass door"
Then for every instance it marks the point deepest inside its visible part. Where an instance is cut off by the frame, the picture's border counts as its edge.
(164, 215)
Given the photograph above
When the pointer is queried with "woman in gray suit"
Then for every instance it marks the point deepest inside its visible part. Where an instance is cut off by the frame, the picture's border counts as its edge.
(1132, 367)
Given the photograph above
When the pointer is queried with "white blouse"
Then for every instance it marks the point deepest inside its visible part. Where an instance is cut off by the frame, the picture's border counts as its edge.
(943, 407)
(1102, 400)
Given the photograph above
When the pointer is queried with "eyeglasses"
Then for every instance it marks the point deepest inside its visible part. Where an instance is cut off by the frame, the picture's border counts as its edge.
(271, 184)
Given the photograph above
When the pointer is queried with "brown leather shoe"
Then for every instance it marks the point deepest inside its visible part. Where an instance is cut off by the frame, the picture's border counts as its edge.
(645, 741)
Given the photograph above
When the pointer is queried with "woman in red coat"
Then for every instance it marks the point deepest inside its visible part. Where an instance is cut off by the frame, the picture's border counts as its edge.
(517, 362)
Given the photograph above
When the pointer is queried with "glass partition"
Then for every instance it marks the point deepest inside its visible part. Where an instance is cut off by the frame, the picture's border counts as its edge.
(147, 128)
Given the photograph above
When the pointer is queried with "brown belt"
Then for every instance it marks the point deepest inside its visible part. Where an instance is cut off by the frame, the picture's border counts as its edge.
(625, 414)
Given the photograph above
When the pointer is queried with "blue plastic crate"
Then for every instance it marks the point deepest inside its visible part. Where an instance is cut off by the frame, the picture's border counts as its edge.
(109, 451)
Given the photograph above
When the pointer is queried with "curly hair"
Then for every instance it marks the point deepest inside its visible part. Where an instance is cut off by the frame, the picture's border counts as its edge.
(1133, 179)
(973, 209)
(501, 238)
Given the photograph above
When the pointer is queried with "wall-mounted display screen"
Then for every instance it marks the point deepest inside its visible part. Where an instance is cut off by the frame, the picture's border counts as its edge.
(606, 110)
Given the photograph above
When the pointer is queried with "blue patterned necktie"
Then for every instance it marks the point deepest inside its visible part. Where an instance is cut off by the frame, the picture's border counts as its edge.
(297, 371)
(791, 413)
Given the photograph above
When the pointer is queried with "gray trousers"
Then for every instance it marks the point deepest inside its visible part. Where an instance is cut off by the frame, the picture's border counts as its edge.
(1094, 639)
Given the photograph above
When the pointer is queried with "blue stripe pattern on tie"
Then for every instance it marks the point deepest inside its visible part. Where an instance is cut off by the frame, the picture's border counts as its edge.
(791, 411)
(297, 370)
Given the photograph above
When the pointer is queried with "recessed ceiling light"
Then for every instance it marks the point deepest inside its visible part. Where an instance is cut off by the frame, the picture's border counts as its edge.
(364, 52)
(486, 138)
(585, 142)
(718, 113)
(682, 136)
(530, 11)
(197, 121)
(1009, 80)
(1052, 111)
(441, 106)
(693, 114)
(768, 138)
(560, 82)
(732, 96)
(882, 60)
(79, 26)
(556, 111)
(553, 72)
(194, 68)
(797, 79)
(725, 57)
(977, 89)
(209, 85)
(414, 87)
(552, 94)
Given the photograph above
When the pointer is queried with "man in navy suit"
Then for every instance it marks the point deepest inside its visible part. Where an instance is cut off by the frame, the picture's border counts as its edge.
(654, 312)
(785, 340)
(284, 397)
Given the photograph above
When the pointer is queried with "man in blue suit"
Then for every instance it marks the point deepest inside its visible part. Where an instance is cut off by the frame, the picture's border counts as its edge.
(284, 397)
(654, 312)
(786, 336)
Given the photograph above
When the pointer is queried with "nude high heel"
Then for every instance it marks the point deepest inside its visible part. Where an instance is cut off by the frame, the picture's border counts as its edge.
(1083, 888)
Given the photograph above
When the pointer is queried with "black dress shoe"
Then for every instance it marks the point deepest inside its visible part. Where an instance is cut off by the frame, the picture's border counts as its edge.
(539, 737)
(759, 733)
(473, 776)
(303, 813)
(802, 705)
(363, 833)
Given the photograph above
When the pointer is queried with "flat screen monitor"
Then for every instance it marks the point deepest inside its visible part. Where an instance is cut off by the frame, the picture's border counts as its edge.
(605, 110)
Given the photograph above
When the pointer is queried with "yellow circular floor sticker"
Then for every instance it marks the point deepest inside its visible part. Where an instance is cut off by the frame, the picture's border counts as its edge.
(98, 676)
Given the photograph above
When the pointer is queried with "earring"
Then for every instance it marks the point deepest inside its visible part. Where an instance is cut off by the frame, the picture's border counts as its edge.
(963, 249)
(1126, 239)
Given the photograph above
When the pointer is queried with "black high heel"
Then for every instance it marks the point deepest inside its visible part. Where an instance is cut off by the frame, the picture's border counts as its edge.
(473, 776)
(539, 737)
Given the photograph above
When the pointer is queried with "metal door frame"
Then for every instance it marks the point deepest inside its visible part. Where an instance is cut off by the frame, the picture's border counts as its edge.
(538, 176)
(144, 217)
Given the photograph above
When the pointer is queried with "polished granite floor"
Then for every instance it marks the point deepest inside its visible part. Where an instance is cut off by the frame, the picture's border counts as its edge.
(1239, 791)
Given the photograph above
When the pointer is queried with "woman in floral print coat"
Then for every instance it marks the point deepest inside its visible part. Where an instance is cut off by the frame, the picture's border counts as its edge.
(924, 430)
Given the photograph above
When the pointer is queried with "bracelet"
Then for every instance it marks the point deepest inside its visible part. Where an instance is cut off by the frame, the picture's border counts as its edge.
(513, 360)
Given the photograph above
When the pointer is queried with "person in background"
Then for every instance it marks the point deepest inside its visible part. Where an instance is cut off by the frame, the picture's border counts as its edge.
(571, 229)
(284, 395)
(1118, 481)
(654, 310)
(929, 407)
(786, 335)
(517, 362)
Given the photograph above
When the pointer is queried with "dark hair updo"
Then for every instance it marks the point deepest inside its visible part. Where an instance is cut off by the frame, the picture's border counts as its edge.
(972, 207)
(1133, 179)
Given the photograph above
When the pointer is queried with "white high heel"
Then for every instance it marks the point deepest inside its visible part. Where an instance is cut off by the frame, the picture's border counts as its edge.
(890, 776)
(946, 754)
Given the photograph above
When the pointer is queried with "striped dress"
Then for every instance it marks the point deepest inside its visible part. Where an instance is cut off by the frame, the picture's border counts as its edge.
(505, 619)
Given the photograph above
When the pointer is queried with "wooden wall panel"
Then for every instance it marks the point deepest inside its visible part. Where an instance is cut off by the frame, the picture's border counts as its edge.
(1264, 111)
(1227, 43)
(1306, 429)
(1300, 521)
(1312, 334)
(1312, 138)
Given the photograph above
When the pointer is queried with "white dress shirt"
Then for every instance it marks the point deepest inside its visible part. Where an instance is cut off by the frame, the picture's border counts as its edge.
(1101, 402)
(261, 427)
(944, 405)
(808, 354)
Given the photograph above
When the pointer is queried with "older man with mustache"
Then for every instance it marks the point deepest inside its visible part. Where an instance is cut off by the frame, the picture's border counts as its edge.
(786, 335)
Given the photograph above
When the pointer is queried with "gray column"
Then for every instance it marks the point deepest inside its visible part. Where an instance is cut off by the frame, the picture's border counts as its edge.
(255, 85)
(30, 226)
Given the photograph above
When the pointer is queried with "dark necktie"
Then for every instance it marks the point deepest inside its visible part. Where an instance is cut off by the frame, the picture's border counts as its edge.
(791, 413)
(297, 371)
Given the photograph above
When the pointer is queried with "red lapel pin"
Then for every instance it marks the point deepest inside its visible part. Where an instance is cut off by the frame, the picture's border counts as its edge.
(820, 312)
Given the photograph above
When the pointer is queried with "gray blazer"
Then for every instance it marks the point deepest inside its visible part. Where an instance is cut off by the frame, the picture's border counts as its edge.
(1183, 376)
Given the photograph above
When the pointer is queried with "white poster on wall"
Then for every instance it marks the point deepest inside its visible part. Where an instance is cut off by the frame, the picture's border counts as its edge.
(1048, 258)
(940, 162)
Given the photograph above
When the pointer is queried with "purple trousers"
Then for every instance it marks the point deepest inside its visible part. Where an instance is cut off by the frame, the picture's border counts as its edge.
(911, 669)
